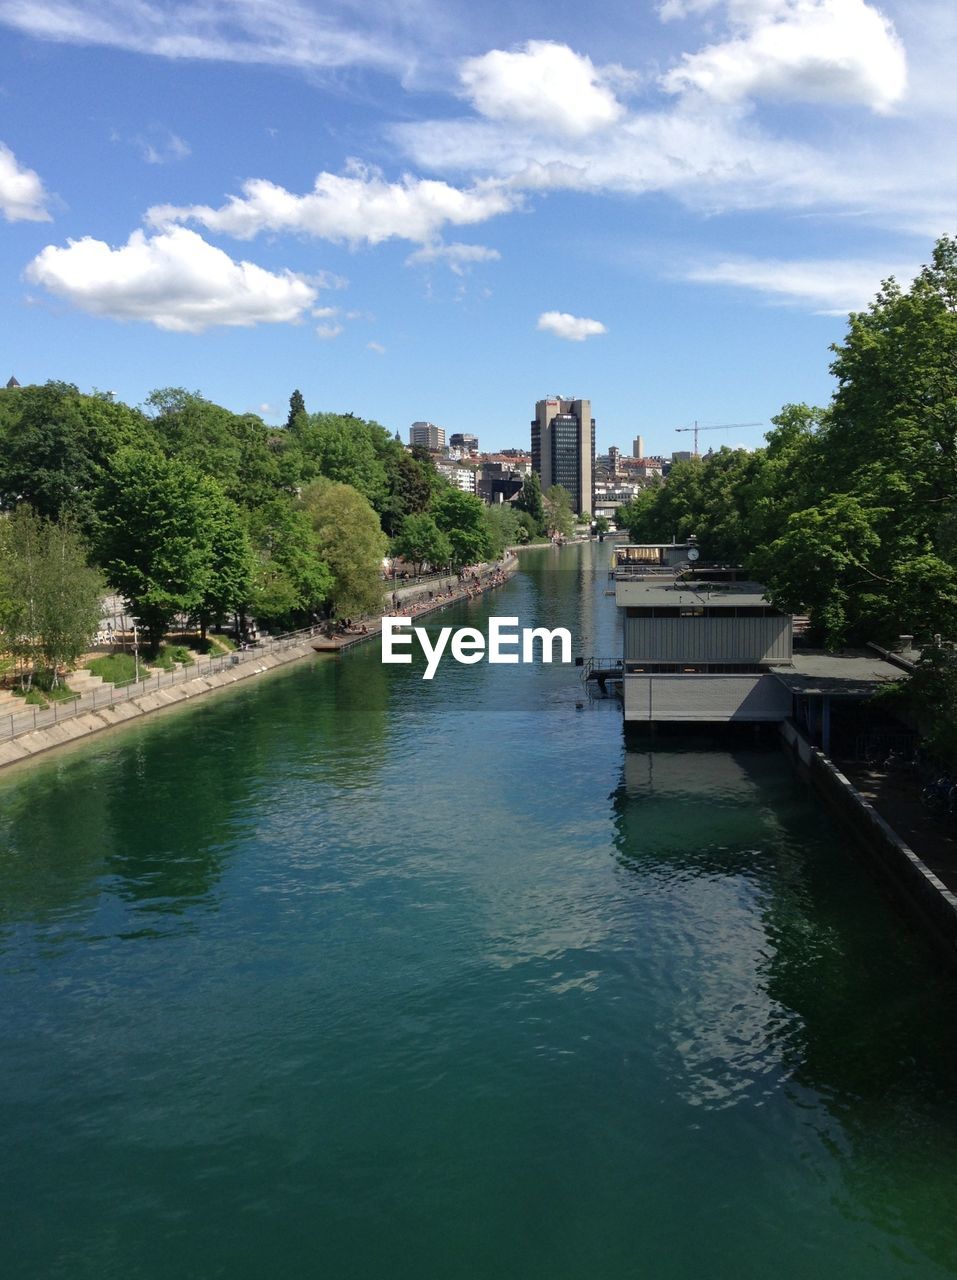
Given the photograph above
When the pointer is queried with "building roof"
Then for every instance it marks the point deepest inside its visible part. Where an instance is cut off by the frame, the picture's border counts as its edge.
(661, 592)
(852, 674)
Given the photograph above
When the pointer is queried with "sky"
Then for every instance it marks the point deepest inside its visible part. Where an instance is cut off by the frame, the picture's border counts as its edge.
(445, 211)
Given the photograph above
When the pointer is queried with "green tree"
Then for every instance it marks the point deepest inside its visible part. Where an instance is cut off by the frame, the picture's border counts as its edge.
(421, 541)
(154, 542)
(291, 581)
(55, 445)
(348, 450)
(820, 563)
(229, 581)
(462, 517)
(297, 406)
(530, 500)
(504, 528)
(49, 594)
(411, 483)
(351, 542)
(558, 511)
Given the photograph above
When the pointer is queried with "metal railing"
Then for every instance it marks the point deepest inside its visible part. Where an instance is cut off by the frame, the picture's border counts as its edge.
(15, 724)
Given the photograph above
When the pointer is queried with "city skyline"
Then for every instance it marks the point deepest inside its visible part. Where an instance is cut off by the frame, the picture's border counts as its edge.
(442, 214)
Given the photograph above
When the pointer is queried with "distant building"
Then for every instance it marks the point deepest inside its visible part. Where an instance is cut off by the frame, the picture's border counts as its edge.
(427, 435)
(12, 383)
(498, 480)
(563, 448)
(462, 477)
(683, 455)
(464, 440)
(509, 460)
(638, 447)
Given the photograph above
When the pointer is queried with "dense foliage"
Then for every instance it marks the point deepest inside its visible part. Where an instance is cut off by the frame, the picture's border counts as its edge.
(191, 509)
(848, 513)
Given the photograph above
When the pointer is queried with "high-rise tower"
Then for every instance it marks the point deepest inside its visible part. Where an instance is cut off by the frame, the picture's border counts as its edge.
(563, 448)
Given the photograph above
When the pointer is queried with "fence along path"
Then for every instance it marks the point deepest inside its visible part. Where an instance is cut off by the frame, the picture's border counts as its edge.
(32, 718)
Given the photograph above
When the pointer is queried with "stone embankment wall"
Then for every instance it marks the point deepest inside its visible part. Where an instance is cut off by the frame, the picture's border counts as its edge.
(911, 882)
(26, 745)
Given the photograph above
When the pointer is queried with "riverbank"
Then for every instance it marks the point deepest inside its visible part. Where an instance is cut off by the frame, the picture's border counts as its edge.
(468, 588)
(922, 886)
(109, 709)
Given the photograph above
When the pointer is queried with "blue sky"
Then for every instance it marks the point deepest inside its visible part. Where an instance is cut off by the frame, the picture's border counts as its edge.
(447, 211)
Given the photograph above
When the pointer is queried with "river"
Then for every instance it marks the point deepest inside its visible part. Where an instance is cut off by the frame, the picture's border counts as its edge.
(358, 976)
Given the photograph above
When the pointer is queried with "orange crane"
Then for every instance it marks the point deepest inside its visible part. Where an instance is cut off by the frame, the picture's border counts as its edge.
(727, 426)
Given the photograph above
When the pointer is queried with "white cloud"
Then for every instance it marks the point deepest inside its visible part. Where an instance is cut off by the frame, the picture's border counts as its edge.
(829, 287)
(330, 327)
(22, 197)
(282, 32)
(711, 159)
(804, 50)
(357, 207)
(571, 328)
(163, 151)
(458, 257)
(377, 347)
(545, 85)
(174, 280)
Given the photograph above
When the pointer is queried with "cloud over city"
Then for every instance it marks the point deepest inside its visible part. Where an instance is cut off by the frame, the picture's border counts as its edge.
(571, 328)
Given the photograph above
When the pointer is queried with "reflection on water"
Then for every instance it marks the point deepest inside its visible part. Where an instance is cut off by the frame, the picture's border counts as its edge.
(351, 973)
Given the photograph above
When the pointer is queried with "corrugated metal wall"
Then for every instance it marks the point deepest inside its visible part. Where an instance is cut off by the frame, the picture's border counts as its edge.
(765, 639)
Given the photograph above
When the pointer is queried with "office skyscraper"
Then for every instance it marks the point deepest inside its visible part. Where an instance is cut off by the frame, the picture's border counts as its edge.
(563, 448)
(427, 434)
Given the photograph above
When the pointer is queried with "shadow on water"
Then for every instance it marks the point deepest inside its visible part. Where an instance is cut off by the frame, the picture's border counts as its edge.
(154, 810)
(808, 983)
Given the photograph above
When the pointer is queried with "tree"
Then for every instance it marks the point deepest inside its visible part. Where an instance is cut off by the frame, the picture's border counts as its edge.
(229, 581)
(55, 445)
(530, 500)
(154, 544)
(930, 696)
(291, 581)
(297, 406)
(462, 517)
(352, 544)
(411, 483)
(49, 594)
(346, 449)
(558, 511)
(601, 524)
(421, 541)
(504, 529)
(820, 564)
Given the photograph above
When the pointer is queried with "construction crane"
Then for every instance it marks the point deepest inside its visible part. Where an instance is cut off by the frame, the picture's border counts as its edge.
(727, 426)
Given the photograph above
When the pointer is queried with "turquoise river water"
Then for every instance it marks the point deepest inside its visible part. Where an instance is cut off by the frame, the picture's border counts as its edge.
(350, 975)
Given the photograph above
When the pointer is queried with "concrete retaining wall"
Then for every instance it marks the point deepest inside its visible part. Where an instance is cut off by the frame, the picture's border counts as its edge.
(27, 745)
(912, 883)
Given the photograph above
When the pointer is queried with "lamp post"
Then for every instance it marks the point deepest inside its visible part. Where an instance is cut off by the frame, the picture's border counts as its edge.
(136, 656)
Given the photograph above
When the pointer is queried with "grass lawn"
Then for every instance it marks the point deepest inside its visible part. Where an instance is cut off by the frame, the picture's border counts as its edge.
(115, 668)
(171, 654)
